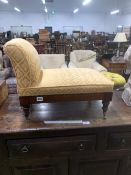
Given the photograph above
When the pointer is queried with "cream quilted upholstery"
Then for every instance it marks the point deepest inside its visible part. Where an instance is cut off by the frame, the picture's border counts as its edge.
(85, 59)
(82, 58)
(25, 61)
(52, 61)
(33, 81)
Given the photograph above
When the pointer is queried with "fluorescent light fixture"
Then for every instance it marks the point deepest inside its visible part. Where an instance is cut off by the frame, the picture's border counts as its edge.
(76, 10)
(114, 12)
(85, 2)
(119, 26)
(43, 1)
(18, 10)
(4, 1)
(46, 10)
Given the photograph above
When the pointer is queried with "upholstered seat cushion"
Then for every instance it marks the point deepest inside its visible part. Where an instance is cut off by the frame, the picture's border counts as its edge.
(69, 81)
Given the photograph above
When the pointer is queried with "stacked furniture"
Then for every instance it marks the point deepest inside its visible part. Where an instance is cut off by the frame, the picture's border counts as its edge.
(43, 35)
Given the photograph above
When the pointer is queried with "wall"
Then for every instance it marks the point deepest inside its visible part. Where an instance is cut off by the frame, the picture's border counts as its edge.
(99, 22)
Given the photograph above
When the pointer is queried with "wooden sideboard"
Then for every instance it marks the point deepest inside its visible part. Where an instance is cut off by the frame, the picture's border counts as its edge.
(99, 147)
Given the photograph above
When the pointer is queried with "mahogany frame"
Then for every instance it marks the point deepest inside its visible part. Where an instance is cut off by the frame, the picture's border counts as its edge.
(27, 101)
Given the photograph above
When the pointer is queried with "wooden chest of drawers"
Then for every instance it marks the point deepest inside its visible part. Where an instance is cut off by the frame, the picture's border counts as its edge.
(120, 141)
(45, 147)
(30, 147)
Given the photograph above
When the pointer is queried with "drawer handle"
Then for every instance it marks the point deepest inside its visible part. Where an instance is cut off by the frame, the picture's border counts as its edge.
(123, 141)
(24, 149)
(81, 147)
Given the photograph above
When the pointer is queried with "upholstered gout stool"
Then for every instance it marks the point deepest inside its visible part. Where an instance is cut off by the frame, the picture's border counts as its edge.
(36, 85)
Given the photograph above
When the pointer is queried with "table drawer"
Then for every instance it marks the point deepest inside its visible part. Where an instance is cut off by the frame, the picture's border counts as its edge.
(43, 147)
(120, 141)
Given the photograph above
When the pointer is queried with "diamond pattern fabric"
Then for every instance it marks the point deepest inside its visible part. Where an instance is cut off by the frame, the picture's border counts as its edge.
(69, 81)
(25, 61)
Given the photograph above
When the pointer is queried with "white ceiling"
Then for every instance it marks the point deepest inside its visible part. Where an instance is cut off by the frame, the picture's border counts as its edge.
(101, 6)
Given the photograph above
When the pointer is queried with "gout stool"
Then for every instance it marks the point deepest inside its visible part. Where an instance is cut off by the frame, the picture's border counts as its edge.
(36, 85)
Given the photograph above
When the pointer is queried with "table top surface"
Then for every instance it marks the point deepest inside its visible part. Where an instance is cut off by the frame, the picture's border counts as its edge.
(119, 60)
(12, 119)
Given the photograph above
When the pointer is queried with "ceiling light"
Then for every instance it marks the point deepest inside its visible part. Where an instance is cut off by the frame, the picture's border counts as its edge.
(46, 10)
(43, 1)
(85, 2)
(76, 10)
(18, 10)
(114, 12)
(119, 26)
(4, 1)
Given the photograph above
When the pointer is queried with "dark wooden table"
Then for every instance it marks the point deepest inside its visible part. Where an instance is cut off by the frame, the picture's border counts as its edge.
(31, 147)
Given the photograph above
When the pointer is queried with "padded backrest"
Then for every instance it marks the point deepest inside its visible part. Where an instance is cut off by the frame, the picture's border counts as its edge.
(52, 61)
(25, 62)
(83, 58)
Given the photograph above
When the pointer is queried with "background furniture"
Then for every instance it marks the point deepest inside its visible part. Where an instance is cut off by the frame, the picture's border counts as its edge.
(40, 48)
(57, 42)
(102, 147)
(117, 66)
(3, 91)
(127, 31)
(7, 73)
(84, 59)
(20, 31)
(52, 61)
(119, 38)
(43, 35)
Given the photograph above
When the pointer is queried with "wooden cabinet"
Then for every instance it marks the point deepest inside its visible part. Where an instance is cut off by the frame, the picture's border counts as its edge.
(41, 147)
(119, 141)
(99, 167)
(100, 147)
(39, 167)
(68, 155)
(129, 166)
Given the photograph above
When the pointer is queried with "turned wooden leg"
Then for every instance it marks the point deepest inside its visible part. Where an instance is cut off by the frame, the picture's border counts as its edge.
(26, 110)
(105, 108)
